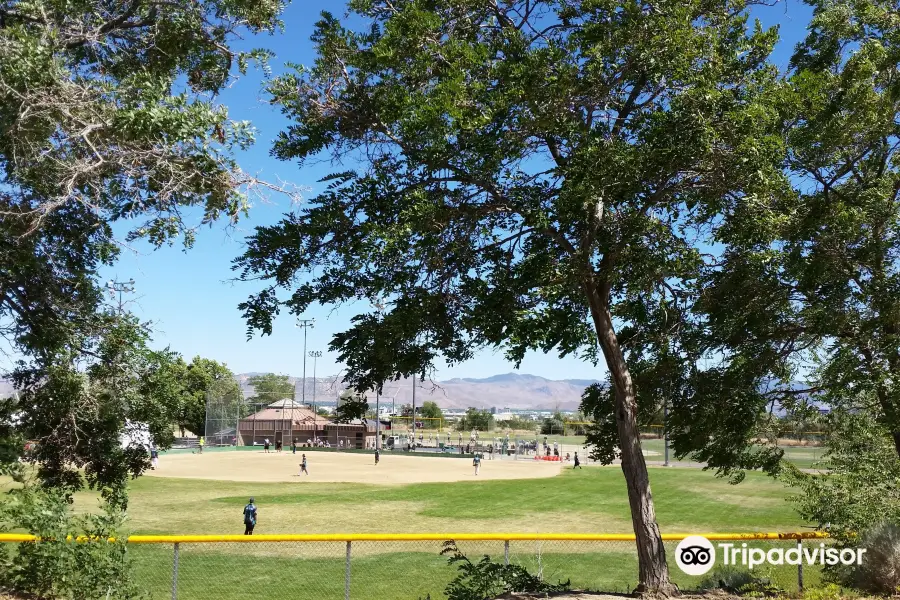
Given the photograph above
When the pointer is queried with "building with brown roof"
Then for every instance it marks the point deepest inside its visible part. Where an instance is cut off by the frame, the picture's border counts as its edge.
(282, 421)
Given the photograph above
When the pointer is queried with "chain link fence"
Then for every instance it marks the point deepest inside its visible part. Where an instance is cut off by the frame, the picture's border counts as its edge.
(396, 567)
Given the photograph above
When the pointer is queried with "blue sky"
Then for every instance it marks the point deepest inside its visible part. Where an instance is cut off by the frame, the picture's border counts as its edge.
(189, 295)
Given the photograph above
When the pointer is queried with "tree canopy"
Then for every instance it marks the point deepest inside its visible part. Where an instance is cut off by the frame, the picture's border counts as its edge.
(200, 379)
(481, 420)
(430, 410)
(532, 172)
(270, 387)
(808, 286)
(108, 114)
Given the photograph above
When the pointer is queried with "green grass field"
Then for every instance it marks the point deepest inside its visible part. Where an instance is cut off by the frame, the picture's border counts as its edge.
(591, 500)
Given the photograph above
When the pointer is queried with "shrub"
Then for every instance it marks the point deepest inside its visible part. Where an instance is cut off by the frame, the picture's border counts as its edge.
(56, 568)
(879, 572)
(486, 579)
(738, 581)
(829, 592)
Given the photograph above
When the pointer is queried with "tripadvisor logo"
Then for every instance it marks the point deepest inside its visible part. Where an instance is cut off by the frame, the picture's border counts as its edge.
(696, 555)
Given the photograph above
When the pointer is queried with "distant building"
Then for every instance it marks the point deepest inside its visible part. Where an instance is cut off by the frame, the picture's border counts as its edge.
(355, 434)
(282, 421)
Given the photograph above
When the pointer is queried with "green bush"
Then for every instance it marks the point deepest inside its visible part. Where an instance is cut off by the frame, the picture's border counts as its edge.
(486, 579)
(57, 568)
(829, 592)
(738, 581)
(879, 572)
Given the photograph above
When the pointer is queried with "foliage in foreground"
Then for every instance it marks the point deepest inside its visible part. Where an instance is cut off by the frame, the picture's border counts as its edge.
(60, 569)
(879, 572)
(857, 487)
(738, 581)
(486, 579)
(109, 113)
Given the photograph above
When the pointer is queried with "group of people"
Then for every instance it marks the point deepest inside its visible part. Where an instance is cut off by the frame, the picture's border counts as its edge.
(309, 444)
(267, 444)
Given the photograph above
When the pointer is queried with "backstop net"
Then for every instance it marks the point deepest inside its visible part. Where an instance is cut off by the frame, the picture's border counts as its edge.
(225, 407)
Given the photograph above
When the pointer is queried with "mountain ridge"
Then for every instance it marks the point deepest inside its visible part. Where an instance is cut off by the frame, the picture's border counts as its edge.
(518, 391)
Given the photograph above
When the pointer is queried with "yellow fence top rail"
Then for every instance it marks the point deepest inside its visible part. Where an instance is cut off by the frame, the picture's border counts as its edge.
(414, 537)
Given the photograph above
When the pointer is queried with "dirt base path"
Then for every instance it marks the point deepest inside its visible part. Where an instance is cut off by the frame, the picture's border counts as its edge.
(335, 467)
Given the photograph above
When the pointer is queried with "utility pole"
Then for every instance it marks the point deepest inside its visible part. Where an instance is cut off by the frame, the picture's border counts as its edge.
(305, 324)
(413, 446)
(315, 354)
(666, 430)
(114, 285)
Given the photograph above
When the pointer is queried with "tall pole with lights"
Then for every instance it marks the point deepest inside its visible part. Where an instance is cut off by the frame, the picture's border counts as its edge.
(315, 354)
(305, 324)
(114, 285)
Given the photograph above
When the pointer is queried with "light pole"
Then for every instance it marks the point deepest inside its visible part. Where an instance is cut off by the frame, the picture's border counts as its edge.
(413, 446)
(114, 285)
(666, 431)
(314, 354)
(305, 324)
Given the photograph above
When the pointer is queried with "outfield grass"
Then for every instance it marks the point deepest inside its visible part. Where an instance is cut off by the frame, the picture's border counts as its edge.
(590, 500)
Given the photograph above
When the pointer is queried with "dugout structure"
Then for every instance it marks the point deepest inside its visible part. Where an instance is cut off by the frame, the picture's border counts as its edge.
(225, 407)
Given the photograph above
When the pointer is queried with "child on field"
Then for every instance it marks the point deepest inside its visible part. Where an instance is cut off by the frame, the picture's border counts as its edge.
(577, 462)
(303, 466)
(477, 463)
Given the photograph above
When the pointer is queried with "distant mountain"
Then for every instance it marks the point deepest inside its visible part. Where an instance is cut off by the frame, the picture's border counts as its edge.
(511, 390)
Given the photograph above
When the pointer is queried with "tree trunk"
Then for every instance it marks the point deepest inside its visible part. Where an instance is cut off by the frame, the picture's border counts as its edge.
(895, 435)
(653, 570)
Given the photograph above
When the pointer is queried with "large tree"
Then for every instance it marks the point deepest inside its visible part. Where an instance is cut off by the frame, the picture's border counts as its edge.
(808, 286)
(89, 423)
(204, 379)
(270, 387)
(532, 175)
(108, 113)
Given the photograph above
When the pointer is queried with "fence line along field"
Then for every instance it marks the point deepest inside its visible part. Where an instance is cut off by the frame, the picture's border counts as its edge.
(335, 467)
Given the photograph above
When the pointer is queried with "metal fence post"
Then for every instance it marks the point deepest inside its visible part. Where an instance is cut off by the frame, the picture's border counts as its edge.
(175, 574)
(506, 553)
(800, 566)
(347, 575)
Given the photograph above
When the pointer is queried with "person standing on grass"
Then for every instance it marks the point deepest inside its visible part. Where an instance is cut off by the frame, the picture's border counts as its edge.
(154, 458)
(266, 445)
(477, 463)
(577, 462)
(249, 518)
(303, 465)
(294, 446)
(201, 444)
(377, 456)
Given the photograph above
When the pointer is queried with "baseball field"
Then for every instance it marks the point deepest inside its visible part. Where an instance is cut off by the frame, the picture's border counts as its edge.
(348, 493)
